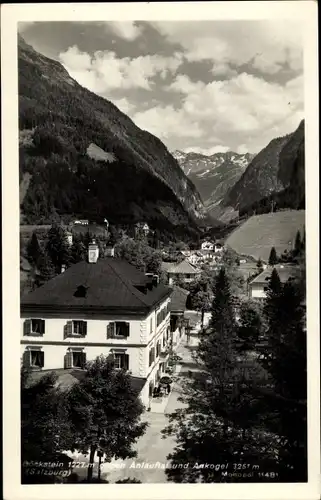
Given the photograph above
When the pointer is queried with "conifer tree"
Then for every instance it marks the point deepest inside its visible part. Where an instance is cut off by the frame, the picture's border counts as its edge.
(286, 363)
(250, 327)
(46, 270)
(273, 259)
(259, 265)
(77, 251)
(219, 422)
(297, 244)
(57, 247)
(33, 249)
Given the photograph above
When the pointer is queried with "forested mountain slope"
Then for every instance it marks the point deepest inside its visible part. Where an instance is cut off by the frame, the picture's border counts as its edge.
(63, 126)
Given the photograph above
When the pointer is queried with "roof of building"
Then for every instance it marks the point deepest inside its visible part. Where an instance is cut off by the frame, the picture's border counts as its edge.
(167, 265)
(67, 378)
(109, 283)
(284, 273)
(183, 267)
(178, 299)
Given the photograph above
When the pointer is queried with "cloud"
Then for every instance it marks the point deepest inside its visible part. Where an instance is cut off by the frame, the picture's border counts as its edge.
(245, 109)
(166, 122)
(266, 45)
(242, 149)
(127, 30)
(105, 71)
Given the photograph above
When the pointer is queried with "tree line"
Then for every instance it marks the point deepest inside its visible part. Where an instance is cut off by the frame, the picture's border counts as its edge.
(246, 406)
(48, 257)
(99, 416)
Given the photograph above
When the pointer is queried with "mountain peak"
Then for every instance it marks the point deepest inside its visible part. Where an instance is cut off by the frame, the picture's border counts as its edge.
(213, 174)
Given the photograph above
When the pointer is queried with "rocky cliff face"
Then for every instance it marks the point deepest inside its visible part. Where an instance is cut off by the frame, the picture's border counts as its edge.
(213, 175)
(62, 124)
(275, 175)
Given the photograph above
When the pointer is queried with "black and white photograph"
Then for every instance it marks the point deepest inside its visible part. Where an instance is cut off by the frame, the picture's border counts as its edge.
(163, 241)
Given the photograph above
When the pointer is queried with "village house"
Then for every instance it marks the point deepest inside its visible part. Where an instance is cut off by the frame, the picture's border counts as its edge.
(142, 229)
(100, 306)
(194, 258)
(211, 253)
(259, 285)
(207, 245)
(218, 247)
(81, 222)
(183, 271)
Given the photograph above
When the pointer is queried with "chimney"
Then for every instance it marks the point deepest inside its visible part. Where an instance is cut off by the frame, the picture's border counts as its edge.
(63, 268)
(93, 252)
(155, 279)
(149, 284)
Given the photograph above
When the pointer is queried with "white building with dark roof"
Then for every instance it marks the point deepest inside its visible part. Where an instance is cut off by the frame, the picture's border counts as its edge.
(99, 306)
(184, 271)
(259, 285)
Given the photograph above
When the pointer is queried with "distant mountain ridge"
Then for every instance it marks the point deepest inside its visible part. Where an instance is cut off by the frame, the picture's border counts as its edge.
(213, 174)
(275, 176)
(68, 138)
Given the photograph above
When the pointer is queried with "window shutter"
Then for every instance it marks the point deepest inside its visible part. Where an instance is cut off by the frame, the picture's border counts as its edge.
(42, 327)
(69, 328)
(42, 358)
(83, 359)
(111, 358)
(110, 330)
(68, 360)
(26, 359)
(27, 327)
(127, 329)
(126, 361)
(85, 329)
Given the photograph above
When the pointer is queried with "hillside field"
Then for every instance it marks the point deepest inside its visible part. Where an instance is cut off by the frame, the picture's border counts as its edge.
(260, 233)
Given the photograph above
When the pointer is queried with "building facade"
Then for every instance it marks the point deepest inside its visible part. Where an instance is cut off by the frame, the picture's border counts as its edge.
(258, 287)
(183, 271)
(207, 245)
(116, 312)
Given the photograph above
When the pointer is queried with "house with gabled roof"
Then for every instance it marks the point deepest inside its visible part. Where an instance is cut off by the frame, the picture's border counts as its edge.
(258, 287)
(182, 271)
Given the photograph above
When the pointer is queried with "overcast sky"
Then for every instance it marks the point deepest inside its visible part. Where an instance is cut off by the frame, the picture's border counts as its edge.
(199, 86)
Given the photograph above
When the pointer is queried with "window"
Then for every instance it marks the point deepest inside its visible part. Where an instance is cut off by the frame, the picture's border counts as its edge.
(187, 276)
(34, 358)
(151, 356)
(121, 361)
(78, 359)
(151, 326)
(76, 328)
(34, 327)
(79, 327)
(75, 358)
(118, 329)
(158, 349)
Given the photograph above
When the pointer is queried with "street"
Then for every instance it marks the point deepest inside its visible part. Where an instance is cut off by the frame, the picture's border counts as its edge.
(152, 448)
